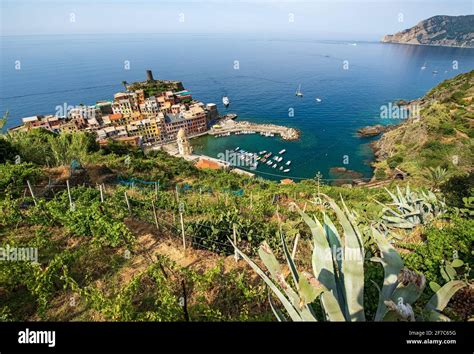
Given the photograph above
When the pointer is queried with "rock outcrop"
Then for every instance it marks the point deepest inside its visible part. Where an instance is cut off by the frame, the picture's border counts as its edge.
(449, 31)
(373, 130)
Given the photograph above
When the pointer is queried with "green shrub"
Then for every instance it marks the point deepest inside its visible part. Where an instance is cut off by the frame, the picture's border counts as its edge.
(394, 161)
(441, 244)
(458, 187)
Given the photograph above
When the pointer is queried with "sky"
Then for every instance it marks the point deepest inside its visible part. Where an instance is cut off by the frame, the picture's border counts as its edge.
(319, 19)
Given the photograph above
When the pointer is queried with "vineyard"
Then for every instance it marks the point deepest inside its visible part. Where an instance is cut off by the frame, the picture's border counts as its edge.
(127, 236)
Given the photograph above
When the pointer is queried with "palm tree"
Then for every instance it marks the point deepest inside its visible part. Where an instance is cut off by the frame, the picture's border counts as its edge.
(436, 175)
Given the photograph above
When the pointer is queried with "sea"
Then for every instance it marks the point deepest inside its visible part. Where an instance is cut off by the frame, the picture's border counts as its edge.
(345, 85)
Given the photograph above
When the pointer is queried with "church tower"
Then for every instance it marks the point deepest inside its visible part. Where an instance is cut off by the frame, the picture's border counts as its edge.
(184, 147)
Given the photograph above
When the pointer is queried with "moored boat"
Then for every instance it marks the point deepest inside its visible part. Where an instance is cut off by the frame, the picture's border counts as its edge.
(226, 101)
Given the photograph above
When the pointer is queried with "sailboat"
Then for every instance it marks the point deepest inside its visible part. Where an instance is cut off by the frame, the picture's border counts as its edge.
(424, 66)
(298, 91)
(318, 99)
(226, 101)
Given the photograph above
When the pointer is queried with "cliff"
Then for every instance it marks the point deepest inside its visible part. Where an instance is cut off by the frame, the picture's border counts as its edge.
(449, 31)
(442, 135)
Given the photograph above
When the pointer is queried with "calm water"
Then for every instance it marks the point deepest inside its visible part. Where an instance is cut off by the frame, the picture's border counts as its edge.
(58, 70)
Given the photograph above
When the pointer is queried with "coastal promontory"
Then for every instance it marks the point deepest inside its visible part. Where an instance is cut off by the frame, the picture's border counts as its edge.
(448, 31)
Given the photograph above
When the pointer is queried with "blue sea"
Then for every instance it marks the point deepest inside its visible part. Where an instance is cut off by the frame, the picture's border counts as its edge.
(260, 74)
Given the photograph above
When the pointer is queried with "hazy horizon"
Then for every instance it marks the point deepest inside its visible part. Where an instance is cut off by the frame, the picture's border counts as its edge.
(321, 19)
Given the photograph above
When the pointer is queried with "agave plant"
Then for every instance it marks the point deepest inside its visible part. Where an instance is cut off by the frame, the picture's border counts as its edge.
(410, 209)
(338, 276)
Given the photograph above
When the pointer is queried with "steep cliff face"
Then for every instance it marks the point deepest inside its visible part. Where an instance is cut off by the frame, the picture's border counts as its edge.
(450, 31)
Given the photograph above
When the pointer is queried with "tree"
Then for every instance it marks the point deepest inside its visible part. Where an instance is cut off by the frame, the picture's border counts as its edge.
(125, 83)
(437, 176)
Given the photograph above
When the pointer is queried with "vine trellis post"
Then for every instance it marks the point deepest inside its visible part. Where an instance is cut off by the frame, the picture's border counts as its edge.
(181, 210)
(31, 191)
(128, 203)
(71, 205)
(154, 215)
(101, 193)
(234, 231)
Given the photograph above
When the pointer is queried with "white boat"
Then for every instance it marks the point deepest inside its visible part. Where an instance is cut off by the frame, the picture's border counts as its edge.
(237, 148)
(226, 101)
(269, 162)
(288, 163)
(274, 165)
(287, 170)
(282, 151)
(424, 66)
(318, 99)
(281, 168)
(298, 92)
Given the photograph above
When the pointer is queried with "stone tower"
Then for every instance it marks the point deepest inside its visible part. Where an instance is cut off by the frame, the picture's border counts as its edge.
(184, 147)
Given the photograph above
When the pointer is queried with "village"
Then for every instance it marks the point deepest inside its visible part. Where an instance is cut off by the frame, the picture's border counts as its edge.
(153, 114)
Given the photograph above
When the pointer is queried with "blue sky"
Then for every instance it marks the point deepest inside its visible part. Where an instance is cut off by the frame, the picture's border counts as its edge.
(320, 19)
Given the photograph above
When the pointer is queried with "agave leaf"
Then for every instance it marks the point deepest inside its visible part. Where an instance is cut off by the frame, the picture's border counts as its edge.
(392, 265)
(278, 314)
(269, 259)
(335, 242)
(435, 316)
(308, 292)
(299, 301)
(409, 293)
(401, 196)
(391, 316)
(393, 196)
(441, 298)
(352, 266)
(331, 307)
(291, 263)
(323, 267)
(295, 316)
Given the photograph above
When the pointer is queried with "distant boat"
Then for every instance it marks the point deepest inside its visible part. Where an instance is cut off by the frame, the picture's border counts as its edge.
(288, 163)
(353, 44)
(435, 72)
(282, 151)
(318, 99)
(424, 66)
(274, 165)
(298, 92)
(281, 168)
(237, 148)
(287, 170)
(226, 101)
